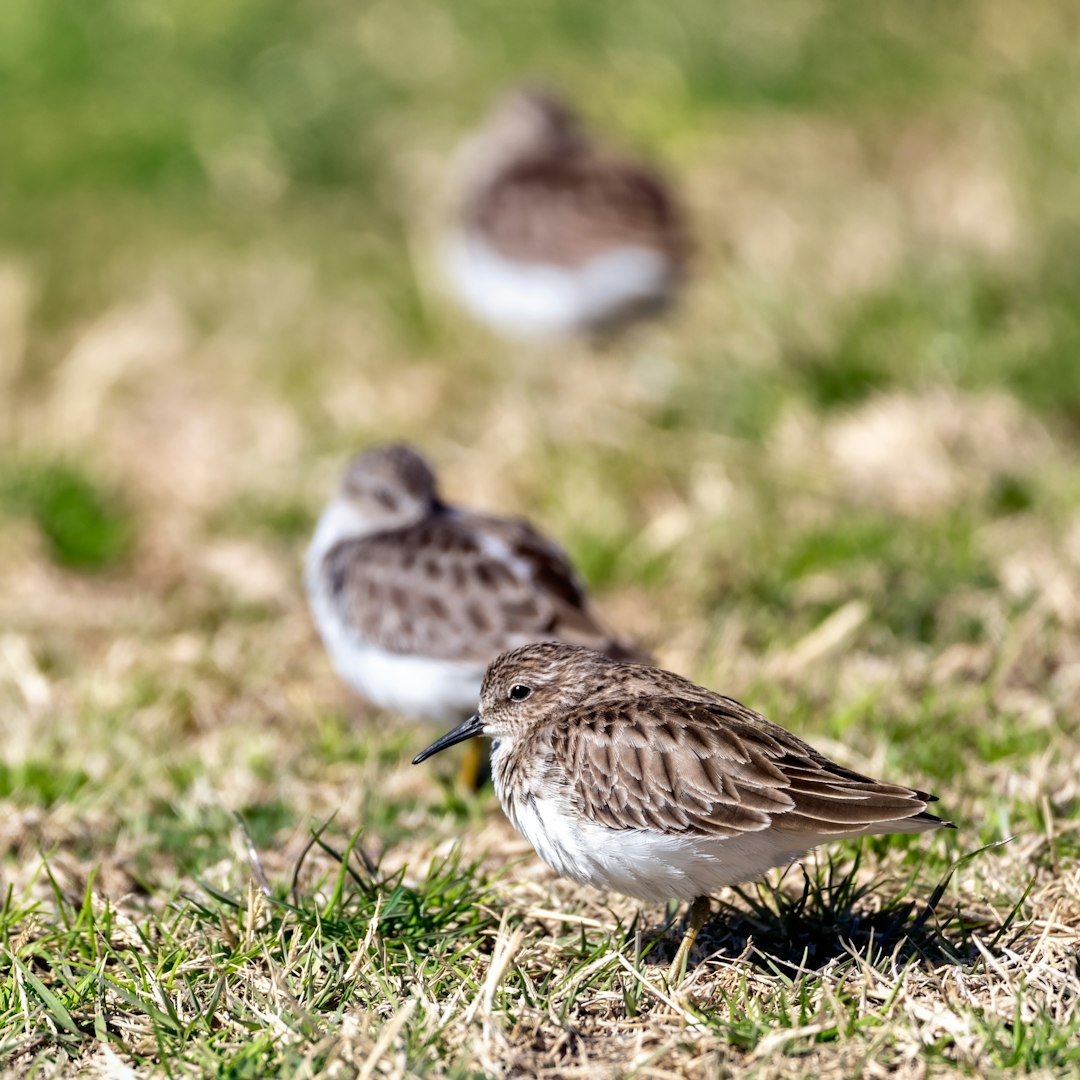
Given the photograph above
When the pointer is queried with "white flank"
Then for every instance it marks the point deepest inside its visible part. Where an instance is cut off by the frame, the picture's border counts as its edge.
(542, 299)
(645, 864)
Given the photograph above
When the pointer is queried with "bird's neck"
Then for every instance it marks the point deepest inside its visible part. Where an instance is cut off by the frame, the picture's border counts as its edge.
(341, 521)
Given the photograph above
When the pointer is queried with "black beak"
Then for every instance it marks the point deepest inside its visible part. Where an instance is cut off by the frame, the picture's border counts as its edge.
(468, 730)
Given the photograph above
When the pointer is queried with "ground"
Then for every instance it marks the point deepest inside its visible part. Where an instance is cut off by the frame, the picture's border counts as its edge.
(838, 483)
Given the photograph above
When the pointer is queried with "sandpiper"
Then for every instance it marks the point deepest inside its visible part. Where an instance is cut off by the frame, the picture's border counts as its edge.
(554, 237)
(635, 779)
(413, 598)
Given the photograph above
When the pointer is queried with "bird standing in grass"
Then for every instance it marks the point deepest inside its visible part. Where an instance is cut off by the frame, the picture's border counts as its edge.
(413, 598)
(635, 779)
(554, 237)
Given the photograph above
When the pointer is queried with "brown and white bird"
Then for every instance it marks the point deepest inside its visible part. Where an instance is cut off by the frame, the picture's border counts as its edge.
(554, 237)
(635, 779)
(413, 598)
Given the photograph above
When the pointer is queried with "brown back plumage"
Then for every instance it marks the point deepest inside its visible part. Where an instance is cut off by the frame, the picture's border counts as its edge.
(567, 210)
(715, 769)
(464, 587)
(537, 189)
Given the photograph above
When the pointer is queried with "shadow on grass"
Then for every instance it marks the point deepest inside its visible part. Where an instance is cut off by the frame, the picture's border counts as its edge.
(835, 916)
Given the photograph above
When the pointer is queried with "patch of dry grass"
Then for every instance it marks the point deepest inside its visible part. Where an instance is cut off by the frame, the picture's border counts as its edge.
(839, 485)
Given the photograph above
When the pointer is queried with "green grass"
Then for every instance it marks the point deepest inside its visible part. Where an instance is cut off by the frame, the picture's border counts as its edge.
(838, 483)
(39, 782)
(84, 528)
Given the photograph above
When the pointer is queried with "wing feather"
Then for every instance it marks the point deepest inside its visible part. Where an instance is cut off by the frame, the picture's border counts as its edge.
(463, 587)
(569, 209)
(714, 768)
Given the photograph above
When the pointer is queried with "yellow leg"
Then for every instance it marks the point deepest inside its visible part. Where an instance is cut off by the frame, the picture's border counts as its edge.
(473, 770)
(696, 918)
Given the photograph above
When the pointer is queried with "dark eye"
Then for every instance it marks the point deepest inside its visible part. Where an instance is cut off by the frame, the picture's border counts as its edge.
(519, 692)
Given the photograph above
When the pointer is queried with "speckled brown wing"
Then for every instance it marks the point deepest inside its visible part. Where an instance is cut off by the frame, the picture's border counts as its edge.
(566, 210)
(462, 587)
(717, 769)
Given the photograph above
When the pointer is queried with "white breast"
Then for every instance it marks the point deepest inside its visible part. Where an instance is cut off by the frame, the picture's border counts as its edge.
(424, 688)
(543, 299)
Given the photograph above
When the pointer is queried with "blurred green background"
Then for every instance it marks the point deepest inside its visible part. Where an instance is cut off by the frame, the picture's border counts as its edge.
(216, 222)
(138, 133)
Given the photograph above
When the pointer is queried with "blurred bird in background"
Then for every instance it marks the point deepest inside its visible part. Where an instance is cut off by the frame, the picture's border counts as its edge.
(553, 236)
(413, 598)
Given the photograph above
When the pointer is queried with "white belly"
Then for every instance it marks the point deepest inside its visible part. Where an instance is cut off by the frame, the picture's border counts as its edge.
(642, 863)
(437, 690)
(543, 299)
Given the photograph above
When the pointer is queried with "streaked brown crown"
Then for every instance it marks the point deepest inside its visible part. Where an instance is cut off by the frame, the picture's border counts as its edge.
(533, 120)
(637, 747)
(392, 484)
